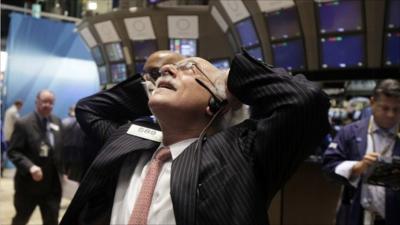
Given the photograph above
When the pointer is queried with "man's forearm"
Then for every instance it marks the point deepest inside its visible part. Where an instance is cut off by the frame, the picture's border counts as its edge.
(105, 111)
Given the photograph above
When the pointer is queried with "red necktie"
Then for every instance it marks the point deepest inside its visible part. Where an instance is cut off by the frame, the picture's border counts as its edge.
(140, 211)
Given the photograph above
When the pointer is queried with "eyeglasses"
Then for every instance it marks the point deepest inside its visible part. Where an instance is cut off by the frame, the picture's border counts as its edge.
(189, 65)
(154, 73)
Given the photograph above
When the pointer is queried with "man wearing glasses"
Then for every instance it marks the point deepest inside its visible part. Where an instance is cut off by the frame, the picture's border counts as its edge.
(189, 170)
(151, 71)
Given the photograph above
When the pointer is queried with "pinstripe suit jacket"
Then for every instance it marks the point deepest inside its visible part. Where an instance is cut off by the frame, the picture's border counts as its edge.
(239, 169)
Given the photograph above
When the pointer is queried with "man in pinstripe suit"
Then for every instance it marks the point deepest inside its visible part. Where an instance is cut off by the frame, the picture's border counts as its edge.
(215, 176)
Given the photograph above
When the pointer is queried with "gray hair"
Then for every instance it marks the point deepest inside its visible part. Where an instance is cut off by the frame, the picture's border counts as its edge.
(234, 115)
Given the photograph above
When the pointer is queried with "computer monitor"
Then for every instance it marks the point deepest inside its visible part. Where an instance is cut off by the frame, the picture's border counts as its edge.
(221, 64)
(154, 2)
(256, 53)
(142, 49)
(289, 55)
(139, 65)
(344, 51)
(283, 23)
(247, 33)
(335, 16)
(392, 49)
(118, 72)
(186, 47)
(103, 78)
(393, 14)
(97, 56)
(114, 52)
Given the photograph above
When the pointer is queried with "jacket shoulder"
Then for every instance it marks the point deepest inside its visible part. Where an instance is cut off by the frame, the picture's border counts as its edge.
(29, 118)
(356, 127)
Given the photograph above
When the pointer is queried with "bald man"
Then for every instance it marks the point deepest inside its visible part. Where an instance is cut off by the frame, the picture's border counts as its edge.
(150, 73)
(190, 170)
(35, 148)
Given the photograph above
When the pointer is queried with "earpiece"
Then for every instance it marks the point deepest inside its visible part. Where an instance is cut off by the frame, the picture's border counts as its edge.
(215, 104)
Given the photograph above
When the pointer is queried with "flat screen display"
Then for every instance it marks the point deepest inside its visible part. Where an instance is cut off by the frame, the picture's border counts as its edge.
(289, 55)
(340, 16)
(256, 53)
(283, 24)
(118, 72)
(247, 33)
(97, 56)
(186, 47)
(394, 14)
(342, 51)
(114, 52)
(392, 49)
(142, 49)
(153, 2)
(103, 78)
(221, 63)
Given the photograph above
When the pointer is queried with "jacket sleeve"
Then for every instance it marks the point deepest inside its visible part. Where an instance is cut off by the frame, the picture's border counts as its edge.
(101, 114)
(17, 149)
(335, 154)
(290, 116)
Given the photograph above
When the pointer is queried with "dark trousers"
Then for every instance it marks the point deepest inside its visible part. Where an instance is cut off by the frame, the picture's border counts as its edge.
(25, 204)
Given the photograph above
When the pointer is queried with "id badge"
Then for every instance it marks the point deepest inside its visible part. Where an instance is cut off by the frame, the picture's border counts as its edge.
(44, 150)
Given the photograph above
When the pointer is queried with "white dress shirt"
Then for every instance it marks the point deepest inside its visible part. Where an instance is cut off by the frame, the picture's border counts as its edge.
(10, 117)
(130, 181)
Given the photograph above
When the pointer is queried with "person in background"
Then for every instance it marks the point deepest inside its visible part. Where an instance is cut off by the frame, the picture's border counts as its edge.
(355, 149)
(74, 147)
(10, 117)
(209, 172)
(35, 148)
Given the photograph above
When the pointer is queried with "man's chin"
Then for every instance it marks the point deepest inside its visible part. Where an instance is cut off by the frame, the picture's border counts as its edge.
(158, 101)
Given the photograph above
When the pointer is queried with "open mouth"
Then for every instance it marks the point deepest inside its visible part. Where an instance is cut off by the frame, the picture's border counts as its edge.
(166, 85)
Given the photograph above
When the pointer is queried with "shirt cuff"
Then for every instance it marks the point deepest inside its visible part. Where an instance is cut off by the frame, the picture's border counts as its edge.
(344, 170)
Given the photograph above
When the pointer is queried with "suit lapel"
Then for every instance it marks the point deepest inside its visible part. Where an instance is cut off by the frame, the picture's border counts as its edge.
(37, 124)
(106, 167)
(396, 149)
(361, 135)
(184, 176)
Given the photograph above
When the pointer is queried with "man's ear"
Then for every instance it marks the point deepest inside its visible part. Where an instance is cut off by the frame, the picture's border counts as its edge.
(225, 108)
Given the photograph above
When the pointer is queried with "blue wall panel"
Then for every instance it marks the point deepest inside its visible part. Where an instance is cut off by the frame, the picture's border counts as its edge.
(46, 54)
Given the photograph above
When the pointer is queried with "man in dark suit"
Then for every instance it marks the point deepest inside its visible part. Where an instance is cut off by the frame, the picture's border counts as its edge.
(214, 176)
(355, 148)
(34, 149)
